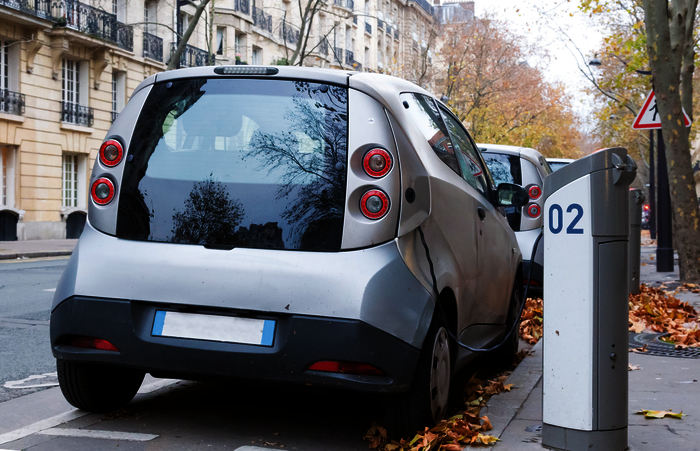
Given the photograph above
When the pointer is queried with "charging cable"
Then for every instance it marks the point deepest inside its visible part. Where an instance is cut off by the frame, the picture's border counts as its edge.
(442, 312)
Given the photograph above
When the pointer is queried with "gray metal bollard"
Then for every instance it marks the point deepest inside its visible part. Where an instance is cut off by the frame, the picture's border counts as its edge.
(635, 244)
(584, 369)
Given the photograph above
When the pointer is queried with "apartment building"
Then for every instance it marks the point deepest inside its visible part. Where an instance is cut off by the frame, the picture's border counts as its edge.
(67, 68)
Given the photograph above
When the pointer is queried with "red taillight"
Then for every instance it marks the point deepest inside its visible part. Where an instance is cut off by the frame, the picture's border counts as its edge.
(374, 204)
(534, 192)
(646, 206)
(111, 153)
(362, 369)
(533, 283)
(533, 210)
(92, 343)
(377, 163)
(102, 191)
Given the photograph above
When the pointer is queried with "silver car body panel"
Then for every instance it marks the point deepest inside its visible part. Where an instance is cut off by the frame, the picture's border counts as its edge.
(368, 128)
(372, 285)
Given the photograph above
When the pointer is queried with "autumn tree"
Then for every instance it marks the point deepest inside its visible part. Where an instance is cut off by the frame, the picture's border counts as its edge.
(671, 49)
(491, 87)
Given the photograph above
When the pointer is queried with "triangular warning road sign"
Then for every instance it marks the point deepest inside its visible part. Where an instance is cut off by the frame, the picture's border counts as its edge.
(649, 116)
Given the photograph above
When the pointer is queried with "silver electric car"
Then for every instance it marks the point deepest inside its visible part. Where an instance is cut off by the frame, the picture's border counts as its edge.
(528, 168)
(287, 224)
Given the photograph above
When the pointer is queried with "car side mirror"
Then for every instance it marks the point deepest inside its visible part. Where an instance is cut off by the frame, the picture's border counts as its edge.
(511, 195)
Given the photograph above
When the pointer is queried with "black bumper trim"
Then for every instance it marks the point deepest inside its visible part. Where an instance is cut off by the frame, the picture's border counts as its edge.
(299, 342)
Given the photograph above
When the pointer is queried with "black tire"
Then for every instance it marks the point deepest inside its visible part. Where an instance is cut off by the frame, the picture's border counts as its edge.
(97, 388)
(503, 356)
(425, 403)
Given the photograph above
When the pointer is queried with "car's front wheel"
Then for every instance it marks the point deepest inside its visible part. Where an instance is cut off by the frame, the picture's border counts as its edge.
(96, 387)
(425, 403)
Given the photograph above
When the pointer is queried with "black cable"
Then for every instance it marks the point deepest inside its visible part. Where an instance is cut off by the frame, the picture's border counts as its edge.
(442, 312)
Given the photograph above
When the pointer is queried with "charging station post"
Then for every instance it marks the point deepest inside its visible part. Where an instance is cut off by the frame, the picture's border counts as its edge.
(586, 229)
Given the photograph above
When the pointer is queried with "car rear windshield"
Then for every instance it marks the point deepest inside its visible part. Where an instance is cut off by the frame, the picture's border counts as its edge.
(238, 163)
(504, 168)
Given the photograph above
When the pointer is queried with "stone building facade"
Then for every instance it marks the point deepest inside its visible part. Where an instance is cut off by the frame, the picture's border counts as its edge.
(67, 69)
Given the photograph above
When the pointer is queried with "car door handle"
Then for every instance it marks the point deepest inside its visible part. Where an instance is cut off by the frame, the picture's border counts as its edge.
(482, 212)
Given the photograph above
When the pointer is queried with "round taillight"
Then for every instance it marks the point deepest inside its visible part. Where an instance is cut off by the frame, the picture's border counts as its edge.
(374, 204)
(534, 210)
(534, 191)
(102, 191)
(111, 153)
(377, 163)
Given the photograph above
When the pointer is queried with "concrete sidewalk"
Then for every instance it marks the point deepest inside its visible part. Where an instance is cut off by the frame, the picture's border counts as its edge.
(11, 250)
(661, 383)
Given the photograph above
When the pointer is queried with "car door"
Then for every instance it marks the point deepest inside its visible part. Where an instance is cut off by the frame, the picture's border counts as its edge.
(494, 278)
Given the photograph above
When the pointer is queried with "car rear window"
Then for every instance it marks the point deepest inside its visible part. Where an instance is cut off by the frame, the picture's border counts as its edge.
(504, 168)
(238, 163)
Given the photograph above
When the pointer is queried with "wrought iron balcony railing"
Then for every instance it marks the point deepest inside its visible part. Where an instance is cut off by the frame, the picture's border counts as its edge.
(11, 102)
(396, 34)
(380, 24)
(243, 6)
(38, 8)
(261, 19)
(289, 32)
(73, 113)
(349, 57)
(357, 66)
(96, 22)
(339, 2)
(425, 5)
(152, 47)
(323, 47)
(368, 28)
(191, 56)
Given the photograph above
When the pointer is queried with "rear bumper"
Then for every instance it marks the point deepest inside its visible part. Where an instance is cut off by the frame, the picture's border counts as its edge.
(299, 342)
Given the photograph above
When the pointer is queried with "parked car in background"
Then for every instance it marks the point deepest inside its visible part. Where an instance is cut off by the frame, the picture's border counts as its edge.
(558, 163)
(528, 168)
(288, 224)
(645, 216)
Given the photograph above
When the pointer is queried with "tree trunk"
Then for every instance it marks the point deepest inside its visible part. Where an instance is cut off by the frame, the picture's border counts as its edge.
(670, 47)
(175, 57)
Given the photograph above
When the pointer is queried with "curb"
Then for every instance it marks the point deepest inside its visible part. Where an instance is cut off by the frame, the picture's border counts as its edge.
(502, 409)
(38, 254)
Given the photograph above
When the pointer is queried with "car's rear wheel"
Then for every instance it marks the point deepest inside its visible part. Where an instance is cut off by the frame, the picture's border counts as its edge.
(425, 403)
(96, 387)
(503, 356)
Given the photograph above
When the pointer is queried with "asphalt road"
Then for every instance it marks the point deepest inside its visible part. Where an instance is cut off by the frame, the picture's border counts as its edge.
(26, 292)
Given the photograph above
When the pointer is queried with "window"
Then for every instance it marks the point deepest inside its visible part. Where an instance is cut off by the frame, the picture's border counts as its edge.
(114, 7)
(70, 180)
(4, 151)
(184, 22)
(149, 16)
(70, 82)
(257, 56)
(468, 157)
(427, 118)
(240, 46)
(118, 92)
(220, 41)
(4, 65)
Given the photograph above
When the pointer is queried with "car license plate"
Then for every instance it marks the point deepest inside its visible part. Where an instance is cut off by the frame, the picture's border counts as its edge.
(227, 329)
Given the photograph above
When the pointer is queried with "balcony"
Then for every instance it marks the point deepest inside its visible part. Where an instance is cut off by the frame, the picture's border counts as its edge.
(152, 47)
(425, 5)
(243, 6)
(92, 21)
(73, 113)
(357, 66)
(262, 20)
(337, 55)
(191, 56)
(349, 57)
(289, 32)
(368, 28)
(38, 8)
(11, 102)
(323, 47)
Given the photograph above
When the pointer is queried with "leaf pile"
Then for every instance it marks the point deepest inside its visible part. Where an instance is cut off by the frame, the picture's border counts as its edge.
(453, 434)
(659, 311)
(531, 321)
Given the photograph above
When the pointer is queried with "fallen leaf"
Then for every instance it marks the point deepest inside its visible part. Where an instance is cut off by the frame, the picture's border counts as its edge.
(657, 414)
(487, 424)
(633, 367)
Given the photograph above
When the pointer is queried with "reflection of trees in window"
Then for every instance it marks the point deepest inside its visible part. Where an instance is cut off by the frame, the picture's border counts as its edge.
(134, 215)
(210, 216)
(311, 155)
